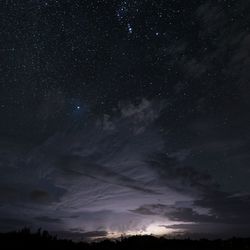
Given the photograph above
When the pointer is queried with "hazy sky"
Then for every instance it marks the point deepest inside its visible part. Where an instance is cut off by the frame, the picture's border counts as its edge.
(125, 117)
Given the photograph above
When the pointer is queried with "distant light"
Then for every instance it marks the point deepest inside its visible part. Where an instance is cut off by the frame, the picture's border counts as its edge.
(78, 107)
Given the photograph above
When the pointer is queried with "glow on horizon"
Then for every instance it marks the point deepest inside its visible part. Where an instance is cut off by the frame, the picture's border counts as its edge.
(153, 229)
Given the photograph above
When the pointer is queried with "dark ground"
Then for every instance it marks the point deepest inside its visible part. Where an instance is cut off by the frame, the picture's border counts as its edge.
(24, 239)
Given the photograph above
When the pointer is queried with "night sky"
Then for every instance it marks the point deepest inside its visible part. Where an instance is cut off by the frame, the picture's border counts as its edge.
(125, 117)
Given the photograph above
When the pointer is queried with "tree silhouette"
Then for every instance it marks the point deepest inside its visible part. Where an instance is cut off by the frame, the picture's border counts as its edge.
(25, 239)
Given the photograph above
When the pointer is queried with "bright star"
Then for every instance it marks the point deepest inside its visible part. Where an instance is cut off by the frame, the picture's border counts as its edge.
(130, 30)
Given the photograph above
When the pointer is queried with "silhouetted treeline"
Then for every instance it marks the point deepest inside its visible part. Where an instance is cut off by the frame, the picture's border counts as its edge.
(24, 239)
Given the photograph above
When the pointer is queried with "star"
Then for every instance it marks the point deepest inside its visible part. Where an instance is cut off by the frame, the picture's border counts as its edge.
(130, 30)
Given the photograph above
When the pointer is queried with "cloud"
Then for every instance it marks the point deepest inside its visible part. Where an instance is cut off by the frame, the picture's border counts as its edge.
(40, 196)
(8, 194)
(94, 234)
(173, 172)
(219, 23)
(116, 174)
(13, 222)
(141, 115)
(47, 219)
(82, 166)
(91, 176)
(176, 213)
(214, 210)
(226, 208)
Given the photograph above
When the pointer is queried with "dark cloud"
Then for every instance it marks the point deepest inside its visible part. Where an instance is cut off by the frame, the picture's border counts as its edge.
(8, 194)
(40, 196)
(13, 223)
(173, 171)
(176, 213)
(214, 211)
(80, 234)
(187, 214)
(94, 234)
(47, 219)
(226, 208)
